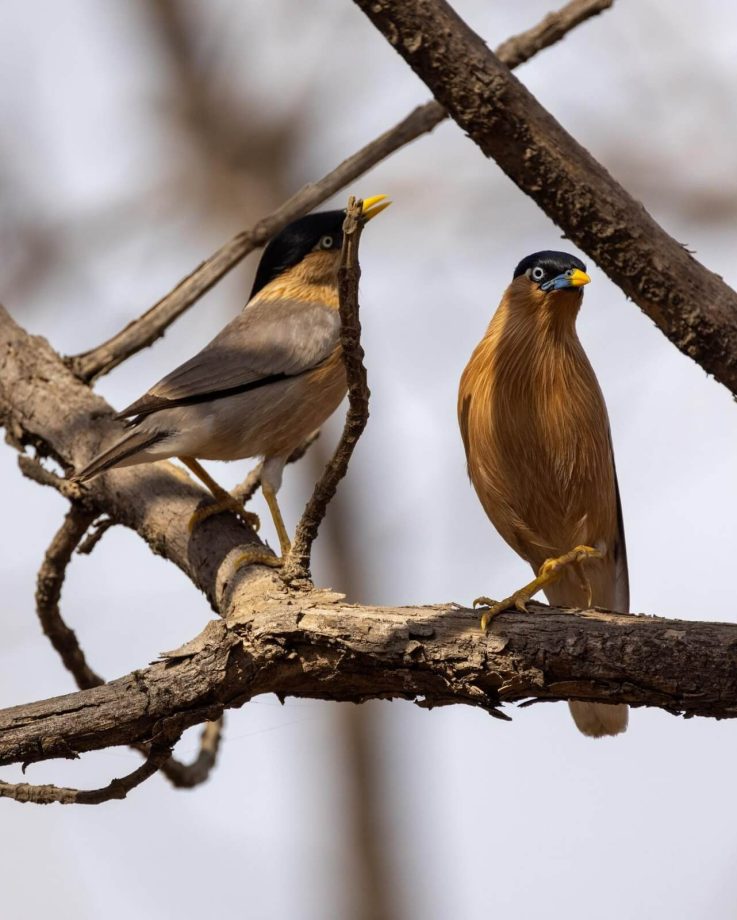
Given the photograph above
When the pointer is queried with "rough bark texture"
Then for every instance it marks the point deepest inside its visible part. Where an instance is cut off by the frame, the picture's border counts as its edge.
(691, 305)
(314, 645)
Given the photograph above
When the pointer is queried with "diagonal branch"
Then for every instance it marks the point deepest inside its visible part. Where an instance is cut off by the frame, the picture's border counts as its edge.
(695, 309)
(298, 564)
(145, 330)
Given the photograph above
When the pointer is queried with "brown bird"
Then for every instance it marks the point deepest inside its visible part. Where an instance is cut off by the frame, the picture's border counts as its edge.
(271, 377)
(539, 451)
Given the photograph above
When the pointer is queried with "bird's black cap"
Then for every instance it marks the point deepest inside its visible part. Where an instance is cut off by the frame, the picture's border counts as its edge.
(289, 247)
(553, 263)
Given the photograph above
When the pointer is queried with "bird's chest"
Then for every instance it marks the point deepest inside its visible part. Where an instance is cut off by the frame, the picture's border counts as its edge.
(548, 461)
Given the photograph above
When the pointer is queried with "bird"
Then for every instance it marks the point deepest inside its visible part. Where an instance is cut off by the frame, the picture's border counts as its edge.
(539, 453)
(268, 379)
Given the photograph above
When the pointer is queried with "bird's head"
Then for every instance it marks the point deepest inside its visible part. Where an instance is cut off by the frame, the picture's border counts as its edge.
(551, 279)
(311, 244)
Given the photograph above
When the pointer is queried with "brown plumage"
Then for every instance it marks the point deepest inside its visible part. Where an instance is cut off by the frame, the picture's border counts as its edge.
(536, 433)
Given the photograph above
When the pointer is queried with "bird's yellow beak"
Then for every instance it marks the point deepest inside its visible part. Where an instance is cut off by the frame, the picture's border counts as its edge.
(578, 278)
(373, 206)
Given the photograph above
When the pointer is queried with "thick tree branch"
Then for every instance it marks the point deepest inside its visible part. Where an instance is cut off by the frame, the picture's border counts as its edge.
(314, 645)
(151, 325)
(691, 305)
(298, 564)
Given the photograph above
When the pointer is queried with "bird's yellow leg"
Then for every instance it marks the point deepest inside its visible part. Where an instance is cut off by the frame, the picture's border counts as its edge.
(260, 555)
(281, 531)
(550, 571)
(224, 501)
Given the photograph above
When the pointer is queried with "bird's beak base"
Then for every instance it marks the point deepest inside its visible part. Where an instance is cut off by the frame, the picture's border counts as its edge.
(373, 206)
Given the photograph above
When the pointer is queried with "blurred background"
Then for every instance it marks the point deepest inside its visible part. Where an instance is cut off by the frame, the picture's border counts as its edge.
(135, 138)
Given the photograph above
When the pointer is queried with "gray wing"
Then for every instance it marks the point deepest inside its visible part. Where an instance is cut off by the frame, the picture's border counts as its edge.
(268, 341)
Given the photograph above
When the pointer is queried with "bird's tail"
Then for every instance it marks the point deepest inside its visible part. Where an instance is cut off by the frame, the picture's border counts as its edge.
(129, 450)
(599, 719)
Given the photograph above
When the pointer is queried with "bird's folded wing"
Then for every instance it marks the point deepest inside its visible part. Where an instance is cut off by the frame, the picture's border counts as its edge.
(267, 342)
(621, 574)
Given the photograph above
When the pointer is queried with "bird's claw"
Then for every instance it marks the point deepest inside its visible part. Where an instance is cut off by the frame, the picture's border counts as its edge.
(221, 505)
(518, 600)
(259, 555)
(577, 555)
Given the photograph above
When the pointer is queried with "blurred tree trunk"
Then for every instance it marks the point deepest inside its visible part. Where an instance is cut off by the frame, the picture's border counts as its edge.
(374, 889)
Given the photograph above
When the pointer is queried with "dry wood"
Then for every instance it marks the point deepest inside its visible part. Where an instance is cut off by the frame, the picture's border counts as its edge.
(116, 789)
(690, 304)
(51, 576)
(314, 645)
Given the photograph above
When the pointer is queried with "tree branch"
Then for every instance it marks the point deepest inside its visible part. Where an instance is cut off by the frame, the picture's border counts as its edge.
(315, 645)
(153, 323)
(50, 581)
(117, 789)
(298, 564)
(695, 309)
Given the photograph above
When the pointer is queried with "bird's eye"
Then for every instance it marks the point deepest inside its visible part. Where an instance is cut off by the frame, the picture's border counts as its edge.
(538, 273)
(326, 242)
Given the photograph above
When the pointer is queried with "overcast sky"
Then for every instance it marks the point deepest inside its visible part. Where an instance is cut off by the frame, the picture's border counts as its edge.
(481, 818)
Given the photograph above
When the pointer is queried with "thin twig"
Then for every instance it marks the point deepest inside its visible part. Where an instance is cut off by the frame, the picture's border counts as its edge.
(117, 789)
(188, 775)
(146, 329)
(99, 530)
(520, 48)
(298, 565)
(49, 583)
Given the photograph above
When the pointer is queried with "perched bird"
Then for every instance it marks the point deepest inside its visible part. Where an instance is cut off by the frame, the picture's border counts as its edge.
(269, 379)
(539, 451)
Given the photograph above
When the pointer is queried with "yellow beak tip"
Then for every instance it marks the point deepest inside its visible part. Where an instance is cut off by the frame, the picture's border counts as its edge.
(580, 278)
(373, 206)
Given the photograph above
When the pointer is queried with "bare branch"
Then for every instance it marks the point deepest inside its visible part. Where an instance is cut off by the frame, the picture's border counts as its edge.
(695, 309)
(188, 775)
(298, 564)
(315, 645)
(48, 592)
(64, 640)
(555, 26)
(145, 330)
(117, 789)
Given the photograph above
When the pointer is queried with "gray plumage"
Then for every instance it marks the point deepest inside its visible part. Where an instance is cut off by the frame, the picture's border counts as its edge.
(259, 388)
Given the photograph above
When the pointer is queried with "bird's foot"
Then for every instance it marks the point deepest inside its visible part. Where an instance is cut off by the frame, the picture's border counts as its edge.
(550, 571)
(224, 502)
(259, 555)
